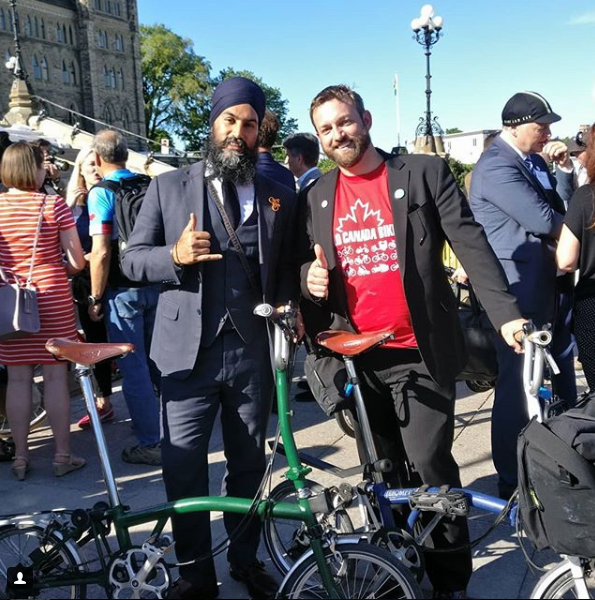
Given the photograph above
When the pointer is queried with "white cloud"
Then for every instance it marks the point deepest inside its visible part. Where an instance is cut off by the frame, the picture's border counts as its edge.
(584, 19)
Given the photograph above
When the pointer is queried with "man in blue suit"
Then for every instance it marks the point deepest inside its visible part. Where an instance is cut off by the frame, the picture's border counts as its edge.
(520, 205)
(212, 351)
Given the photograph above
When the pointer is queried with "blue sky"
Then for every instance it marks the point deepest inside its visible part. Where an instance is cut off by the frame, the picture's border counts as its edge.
(489, 51)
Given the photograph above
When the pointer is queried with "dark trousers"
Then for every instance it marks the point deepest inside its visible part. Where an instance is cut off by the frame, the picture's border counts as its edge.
(412, 419)
(96, 334)
(237, 379)
(509, 414)
(584, 330)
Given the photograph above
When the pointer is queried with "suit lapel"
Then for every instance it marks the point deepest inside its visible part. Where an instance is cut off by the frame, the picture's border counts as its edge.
(398, 189)
(266, 227)
(322, 206)
(193, 193)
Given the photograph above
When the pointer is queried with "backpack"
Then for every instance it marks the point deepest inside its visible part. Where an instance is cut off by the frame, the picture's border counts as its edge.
(556, 462)
(130, 193)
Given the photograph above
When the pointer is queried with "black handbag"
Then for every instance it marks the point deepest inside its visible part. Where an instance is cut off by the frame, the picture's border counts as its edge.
(482, 362)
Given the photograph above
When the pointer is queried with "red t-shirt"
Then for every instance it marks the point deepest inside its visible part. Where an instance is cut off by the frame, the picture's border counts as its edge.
(366, 248)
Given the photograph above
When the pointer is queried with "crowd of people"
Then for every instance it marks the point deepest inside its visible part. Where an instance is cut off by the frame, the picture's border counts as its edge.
(359, 248)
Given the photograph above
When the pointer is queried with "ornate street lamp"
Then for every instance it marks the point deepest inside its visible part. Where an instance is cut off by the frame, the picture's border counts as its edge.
(428, 30)
(15, 63)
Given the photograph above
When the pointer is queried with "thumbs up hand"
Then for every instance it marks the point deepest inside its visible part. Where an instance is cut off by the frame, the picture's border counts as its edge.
(193, 246)
(317, 279)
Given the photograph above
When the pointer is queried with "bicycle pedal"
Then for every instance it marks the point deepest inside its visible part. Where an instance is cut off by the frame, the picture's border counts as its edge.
(450, 503)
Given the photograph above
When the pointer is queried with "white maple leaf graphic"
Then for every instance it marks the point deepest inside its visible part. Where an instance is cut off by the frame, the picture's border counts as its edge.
(359, 214)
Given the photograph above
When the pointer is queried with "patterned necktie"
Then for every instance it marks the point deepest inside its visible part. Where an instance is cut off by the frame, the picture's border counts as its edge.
(231, 203)
(530, 165)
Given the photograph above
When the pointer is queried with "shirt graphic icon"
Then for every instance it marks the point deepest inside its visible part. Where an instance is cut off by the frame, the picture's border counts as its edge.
(19, 577)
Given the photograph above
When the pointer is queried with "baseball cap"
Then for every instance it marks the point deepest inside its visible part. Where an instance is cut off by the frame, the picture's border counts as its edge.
(528, 107)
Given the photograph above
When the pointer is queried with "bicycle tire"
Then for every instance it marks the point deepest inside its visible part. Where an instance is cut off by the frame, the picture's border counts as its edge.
(345, 423)
(563, 587)
(39, 414)
(282, 536)
(19, 544)
(370, 572)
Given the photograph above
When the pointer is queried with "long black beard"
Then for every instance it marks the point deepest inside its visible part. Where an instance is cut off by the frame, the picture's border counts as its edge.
(239, 168)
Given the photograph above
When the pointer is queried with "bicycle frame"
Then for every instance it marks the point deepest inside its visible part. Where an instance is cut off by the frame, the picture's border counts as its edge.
(122, 518)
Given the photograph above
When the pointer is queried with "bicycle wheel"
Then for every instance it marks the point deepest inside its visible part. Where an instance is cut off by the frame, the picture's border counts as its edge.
(563, 586)
(38, 414)
(45, 553)
(285, 539)
(345, 422)
(359, 571)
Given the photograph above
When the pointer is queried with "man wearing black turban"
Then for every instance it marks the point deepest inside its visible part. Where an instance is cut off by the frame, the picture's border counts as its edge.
(212, 351)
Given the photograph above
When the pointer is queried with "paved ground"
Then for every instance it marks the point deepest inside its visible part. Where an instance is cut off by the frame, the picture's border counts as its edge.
(500, 570)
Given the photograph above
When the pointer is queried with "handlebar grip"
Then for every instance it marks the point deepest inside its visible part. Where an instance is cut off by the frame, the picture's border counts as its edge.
(265, 310)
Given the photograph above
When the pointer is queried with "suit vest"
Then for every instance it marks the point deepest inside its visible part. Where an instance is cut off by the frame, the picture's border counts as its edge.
(227, 298)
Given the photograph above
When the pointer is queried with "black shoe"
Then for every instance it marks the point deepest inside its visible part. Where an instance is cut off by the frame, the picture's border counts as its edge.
(255, 577)
(505, 490)
(447, 595)
(303, 385)
(304, 397)
(184, 590)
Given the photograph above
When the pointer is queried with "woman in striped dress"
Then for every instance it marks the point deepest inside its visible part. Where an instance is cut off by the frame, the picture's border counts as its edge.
(20, 206)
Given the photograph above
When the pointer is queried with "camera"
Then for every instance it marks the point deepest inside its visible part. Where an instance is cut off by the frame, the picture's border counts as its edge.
(60, 164)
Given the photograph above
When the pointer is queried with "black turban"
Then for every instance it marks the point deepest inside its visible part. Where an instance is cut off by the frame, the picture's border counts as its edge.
(234, 91)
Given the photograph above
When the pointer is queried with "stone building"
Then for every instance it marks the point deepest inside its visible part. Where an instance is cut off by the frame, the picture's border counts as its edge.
(83, 55)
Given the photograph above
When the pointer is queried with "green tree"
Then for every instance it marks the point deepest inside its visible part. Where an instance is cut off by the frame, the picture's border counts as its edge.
(459, 170)
(275, 101)
(176, 85)
(453, 130)
(326, 164)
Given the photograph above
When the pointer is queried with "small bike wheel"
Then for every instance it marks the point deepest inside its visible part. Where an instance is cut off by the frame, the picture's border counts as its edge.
(38, 413)
(358, 571)
(285, 539)
(345, 422)
(563, 587)
(32, 546)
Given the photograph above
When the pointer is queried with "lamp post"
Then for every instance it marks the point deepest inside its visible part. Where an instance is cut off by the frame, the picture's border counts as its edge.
(15, 64)
(20, 104)
(427, 29)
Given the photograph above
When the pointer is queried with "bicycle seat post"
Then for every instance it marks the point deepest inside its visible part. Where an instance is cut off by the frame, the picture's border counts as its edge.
(83, 375)
(371, 455)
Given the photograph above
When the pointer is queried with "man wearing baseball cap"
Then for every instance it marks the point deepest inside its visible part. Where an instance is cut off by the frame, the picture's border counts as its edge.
(212, 351)
(521, 206)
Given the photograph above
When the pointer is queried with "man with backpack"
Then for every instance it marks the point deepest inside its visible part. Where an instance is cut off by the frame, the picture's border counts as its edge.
(128, 308)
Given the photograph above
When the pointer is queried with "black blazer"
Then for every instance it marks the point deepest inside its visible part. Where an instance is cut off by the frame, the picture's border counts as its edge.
(428, 210)
(165, 212)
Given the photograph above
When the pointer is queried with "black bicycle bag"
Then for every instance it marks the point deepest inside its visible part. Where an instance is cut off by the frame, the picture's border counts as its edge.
(556, 463)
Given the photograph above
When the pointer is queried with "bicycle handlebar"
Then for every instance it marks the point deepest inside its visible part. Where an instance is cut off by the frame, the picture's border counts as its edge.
(286, 336)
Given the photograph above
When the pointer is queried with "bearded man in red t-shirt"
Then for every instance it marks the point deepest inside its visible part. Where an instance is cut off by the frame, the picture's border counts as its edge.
(376, 227)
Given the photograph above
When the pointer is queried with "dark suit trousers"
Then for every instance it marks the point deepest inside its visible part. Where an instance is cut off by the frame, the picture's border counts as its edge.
(237, 379)
(412, 419)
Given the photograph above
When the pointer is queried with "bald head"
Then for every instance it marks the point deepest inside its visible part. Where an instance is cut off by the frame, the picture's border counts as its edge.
(111, 147)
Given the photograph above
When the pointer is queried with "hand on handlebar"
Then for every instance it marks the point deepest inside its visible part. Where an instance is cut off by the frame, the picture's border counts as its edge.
(512, 332)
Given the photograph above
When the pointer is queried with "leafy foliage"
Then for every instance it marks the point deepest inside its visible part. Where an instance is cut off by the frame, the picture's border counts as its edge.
(459, 170)
(326, 164)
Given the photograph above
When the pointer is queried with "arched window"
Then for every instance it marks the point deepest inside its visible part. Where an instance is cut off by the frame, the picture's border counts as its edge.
(64, 34)
(58, 33)
(43, 29)
(112, 76)
(108, 7)
(118, 9)
(36, 68)
(97, 4)
(105, 77)
(65, 74)
(44, 69)
(70, 36)
(118, 43)
(125, 119)
(121, 79)
(108, 115)
(102, 39)
(2, 19)
(36, 27)
(72, 74)
(28, 26)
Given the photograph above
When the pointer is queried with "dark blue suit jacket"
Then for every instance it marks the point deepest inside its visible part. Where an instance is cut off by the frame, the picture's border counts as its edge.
(165, 212)
(520, 223)
(269, 167)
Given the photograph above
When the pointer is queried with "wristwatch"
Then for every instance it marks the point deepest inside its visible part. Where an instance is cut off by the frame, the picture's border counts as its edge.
(92, 300)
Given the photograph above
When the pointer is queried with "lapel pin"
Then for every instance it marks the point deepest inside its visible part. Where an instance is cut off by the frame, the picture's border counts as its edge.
(275, 203)
(400, 193)
(324, 203)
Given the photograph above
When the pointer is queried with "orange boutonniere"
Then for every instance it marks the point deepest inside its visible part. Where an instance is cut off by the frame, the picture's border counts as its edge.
(275, 203)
